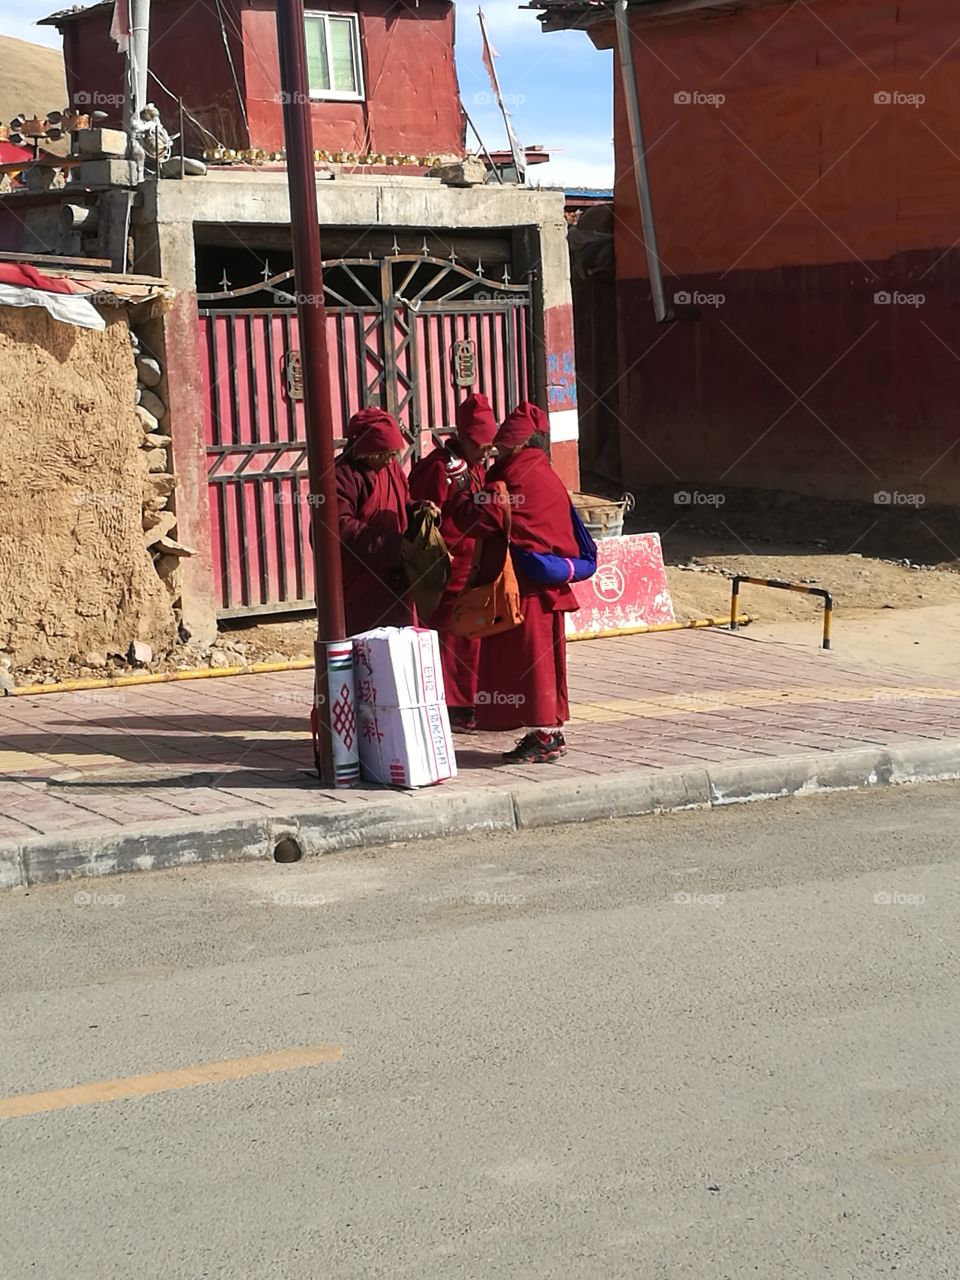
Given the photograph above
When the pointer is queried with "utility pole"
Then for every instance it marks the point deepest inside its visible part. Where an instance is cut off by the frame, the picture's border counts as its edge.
(308, 274)
(131, 30)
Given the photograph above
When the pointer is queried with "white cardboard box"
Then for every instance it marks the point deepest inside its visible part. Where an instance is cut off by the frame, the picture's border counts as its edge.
(402, 720)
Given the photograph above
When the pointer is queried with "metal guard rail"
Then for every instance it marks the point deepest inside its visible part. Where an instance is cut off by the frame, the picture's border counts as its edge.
(825, 596)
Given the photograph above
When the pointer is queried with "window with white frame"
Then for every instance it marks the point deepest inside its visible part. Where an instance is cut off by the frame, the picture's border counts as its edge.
(333, 56)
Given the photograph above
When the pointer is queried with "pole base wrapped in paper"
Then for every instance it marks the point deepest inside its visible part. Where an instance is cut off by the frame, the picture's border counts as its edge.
(343, 712)
(404, 728)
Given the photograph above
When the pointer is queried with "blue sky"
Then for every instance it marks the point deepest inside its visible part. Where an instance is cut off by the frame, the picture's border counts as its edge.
(558, 87)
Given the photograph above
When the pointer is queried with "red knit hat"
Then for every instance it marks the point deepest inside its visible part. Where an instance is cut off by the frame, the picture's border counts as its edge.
(475, 420)
(374, 431)
(541, 419)
(517, 427)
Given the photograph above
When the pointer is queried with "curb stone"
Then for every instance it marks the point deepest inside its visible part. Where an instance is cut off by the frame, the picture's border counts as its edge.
(413, 816)
(618, 795)
(776, 778)
(50, 859)
(926, 762)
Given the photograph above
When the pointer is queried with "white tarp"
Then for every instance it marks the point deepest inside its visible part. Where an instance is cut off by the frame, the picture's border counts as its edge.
(70, 308)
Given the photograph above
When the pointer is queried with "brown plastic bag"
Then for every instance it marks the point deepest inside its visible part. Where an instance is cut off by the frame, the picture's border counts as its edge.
(491, 607)
(427, 564)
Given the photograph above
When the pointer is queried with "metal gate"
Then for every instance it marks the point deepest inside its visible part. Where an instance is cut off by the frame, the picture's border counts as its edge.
(411, 333)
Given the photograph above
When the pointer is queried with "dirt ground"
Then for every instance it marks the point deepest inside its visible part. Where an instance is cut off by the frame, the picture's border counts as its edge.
(921, 641)
(870, 558)
(893, 574)
(701, 587)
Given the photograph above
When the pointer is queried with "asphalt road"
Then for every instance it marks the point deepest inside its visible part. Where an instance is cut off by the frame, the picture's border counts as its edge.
(704, 1046)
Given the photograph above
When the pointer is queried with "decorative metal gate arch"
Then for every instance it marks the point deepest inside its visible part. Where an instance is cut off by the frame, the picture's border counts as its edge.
(410, 333)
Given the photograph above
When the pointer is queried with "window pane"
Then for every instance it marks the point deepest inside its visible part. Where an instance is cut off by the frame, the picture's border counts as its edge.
(342, 55)
(317, 71)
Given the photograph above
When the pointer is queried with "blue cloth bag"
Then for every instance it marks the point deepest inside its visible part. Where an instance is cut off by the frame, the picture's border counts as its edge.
(553, 571)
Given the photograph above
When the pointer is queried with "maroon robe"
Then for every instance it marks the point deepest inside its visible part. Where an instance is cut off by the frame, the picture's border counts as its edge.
(459, 655)
(373, 517)
(523, 672)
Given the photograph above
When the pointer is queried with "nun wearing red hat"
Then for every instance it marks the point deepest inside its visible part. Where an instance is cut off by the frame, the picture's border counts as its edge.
(523, 672)
(373, 498)
(440, 477)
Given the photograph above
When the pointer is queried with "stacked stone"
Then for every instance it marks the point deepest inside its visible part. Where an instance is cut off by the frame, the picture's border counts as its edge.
(159, 520)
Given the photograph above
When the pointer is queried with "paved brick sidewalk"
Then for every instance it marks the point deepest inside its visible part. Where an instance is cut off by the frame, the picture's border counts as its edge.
(105, 760)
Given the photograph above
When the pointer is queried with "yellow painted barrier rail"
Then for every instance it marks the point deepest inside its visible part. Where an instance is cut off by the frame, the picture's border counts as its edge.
(783, 586)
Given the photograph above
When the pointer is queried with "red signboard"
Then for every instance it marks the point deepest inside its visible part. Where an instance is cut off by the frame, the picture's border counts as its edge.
(629, 588)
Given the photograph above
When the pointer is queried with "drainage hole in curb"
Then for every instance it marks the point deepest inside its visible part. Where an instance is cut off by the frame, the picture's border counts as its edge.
(287, 850)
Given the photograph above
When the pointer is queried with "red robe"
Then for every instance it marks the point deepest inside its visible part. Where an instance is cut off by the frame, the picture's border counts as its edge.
(460, 656)
(372, 507)
(523, 672)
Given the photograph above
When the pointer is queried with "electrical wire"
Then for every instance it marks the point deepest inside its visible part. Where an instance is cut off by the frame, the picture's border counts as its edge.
(233, 69)
(192, 118)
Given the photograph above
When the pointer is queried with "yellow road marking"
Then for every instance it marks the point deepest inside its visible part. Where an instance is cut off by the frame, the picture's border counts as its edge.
(29, 1104)
(723, 699)
(18, 761)
(80, 759)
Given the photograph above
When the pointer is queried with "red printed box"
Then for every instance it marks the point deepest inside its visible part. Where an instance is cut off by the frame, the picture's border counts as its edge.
(402, 719)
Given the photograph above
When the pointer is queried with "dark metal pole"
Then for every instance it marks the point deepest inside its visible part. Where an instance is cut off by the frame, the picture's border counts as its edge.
(308, 274)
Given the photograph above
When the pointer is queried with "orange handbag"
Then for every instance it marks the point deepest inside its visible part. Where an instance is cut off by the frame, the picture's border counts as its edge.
(491, 607)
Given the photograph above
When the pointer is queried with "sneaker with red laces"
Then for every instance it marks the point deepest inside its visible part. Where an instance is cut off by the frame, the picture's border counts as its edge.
(463, 720)
(537, 748)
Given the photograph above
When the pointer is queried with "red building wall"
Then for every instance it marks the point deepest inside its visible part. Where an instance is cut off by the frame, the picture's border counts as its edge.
(412, 98)
(187, 55)
(789, 192)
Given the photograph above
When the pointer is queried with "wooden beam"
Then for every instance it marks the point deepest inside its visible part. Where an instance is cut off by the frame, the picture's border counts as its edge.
(55, 260)
(114, 277)
(57, 266)
(42, 162)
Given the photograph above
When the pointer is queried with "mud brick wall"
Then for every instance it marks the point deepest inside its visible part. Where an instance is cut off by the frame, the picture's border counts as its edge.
(77, 568)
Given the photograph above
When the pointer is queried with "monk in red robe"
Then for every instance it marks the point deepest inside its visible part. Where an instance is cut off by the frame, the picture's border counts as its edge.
(373, 499)
(440, 477)
(523, 672)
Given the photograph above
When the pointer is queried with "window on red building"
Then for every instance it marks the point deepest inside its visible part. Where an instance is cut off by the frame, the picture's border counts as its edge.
(333, 56)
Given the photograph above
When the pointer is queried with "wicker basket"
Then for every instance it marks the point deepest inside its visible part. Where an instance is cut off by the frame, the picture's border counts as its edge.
(603, 518)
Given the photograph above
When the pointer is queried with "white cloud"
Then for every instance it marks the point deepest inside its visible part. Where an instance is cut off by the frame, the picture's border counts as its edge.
(584, 161)
(569, 172)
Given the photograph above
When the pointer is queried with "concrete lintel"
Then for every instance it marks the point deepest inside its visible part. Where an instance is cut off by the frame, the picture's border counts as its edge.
(417, 202)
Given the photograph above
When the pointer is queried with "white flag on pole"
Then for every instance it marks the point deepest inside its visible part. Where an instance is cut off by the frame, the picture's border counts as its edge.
(120, 25)
(489, 53)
